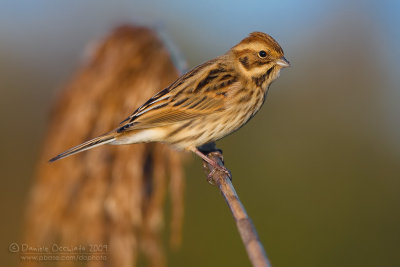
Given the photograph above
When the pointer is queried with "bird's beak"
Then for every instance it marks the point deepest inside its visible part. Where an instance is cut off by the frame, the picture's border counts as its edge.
(283, 62)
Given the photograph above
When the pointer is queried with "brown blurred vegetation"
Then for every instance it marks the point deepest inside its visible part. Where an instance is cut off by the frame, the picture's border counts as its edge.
(318, 168)
(112, 196)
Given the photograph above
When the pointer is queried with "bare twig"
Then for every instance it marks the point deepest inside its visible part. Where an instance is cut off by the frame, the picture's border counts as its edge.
(247, 231)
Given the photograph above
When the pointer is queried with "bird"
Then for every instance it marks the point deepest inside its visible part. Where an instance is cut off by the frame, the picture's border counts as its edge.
(205, 104)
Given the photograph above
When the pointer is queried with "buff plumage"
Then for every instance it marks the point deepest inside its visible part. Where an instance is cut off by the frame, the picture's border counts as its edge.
(205, 104)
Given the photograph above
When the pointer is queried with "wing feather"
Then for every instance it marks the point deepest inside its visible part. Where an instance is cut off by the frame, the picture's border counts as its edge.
(182, 100)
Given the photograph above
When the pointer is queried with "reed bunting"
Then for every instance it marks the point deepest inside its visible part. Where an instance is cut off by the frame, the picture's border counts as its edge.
(207, 103)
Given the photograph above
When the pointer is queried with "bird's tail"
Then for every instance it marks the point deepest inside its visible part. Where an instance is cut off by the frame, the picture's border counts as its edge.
(98, 141)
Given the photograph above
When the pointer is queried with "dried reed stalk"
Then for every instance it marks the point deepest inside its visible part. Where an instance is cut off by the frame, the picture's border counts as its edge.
(112, 195)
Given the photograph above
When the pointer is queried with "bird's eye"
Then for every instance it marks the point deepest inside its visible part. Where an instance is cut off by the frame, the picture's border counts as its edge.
(262, 53)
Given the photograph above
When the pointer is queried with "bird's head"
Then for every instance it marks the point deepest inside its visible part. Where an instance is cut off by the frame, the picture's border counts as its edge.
(259, 55)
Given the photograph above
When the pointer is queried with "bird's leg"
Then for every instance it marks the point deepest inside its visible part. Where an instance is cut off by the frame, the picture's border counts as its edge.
(214, 164)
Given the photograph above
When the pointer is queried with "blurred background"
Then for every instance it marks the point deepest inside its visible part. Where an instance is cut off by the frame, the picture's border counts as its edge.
(318, 168)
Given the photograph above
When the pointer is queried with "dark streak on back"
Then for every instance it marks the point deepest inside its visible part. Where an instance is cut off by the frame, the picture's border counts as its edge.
(198, 102)
(180, 102)
(205, 81)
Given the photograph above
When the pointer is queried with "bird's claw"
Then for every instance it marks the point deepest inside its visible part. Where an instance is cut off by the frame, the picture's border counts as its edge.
(210, 179)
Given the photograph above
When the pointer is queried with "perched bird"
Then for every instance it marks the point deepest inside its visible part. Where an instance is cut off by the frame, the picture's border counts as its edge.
(207, 103)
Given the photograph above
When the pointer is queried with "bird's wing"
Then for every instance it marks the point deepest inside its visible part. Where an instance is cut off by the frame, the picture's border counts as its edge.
(201, 91)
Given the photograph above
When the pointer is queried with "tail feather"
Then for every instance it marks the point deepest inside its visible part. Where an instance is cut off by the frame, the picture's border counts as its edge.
(98, 141)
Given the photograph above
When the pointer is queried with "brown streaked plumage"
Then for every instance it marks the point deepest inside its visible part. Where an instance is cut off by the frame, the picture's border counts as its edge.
(207, 103)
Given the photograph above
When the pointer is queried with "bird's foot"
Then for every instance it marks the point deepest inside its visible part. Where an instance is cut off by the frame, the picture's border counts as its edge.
(211, 150)
(220, 168)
